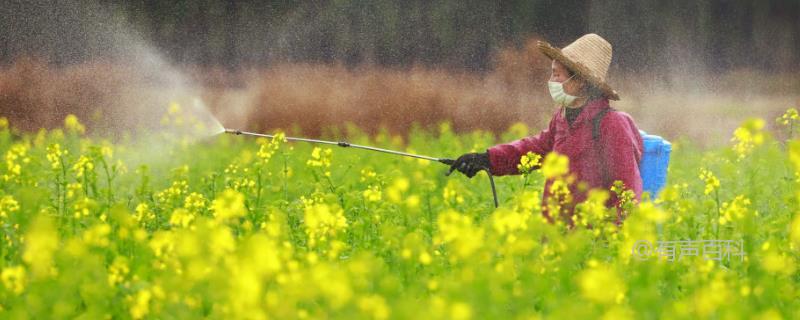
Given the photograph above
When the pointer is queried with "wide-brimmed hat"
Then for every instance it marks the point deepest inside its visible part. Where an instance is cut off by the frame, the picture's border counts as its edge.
(589, 57)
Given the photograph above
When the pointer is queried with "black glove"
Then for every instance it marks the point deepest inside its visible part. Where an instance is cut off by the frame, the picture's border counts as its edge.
(471, 163)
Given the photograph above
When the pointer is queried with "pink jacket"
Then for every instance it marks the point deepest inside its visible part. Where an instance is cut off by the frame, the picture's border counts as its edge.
(620, 144)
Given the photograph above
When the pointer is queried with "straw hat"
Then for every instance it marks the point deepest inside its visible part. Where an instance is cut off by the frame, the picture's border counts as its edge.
(589, 57)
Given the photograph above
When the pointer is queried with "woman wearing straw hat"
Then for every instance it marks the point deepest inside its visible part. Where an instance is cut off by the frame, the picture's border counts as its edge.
(603, 145)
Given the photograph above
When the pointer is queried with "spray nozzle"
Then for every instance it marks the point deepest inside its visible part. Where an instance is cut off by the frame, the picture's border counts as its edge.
(233, 131)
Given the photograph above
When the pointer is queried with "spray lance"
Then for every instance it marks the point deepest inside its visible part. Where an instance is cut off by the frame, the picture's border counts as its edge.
(350, 145)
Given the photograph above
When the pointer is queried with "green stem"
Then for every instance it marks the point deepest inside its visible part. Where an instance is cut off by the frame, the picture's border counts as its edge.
(85, 183)
(285, 178)
(62, 192)
(259, 188)
(429, 228)
(214, 185)
(109, 178)
(719, 212)
(333, 190)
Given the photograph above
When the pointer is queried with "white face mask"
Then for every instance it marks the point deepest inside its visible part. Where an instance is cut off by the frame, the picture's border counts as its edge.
(558, 94)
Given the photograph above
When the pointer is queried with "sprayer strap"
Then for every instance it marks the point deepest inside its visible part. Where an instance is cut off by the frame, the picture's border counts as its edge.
(599, 146)
(596, 123)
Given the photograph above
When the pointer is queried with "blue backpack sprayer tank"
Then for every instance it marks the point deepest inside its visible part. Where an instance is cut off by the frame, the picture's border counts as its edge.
(654, 163)
(655, 158)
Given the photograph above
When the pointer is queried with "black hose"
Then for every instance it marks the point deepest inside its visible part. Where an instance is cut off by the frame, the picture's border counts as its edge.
(450, 162)
(494, 191)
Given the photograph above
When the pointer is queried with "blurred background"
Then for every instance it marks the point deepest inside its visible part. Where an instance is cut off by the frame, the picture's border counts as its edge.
(692, 69)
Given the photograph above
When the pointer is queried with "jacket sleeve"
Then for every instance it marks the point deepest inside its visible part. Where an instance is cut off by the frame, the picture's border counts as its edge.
(504, 158)
(622, 150)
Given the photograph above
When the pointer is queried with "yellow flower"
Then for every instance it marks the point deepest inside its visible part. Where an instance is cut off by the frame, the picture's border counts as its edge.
(232, 168)
(425, 258)
(708, 299)
(555, 165)
(244, 184)
(7, 206)
(794, 154)
(624, 194)
(795, 230)
(412, 201)
(3, 123)
(711, 181)
(72, 124)
(460, 311)
(118, 270)
(229, 204)
(107, 151)
(97, 235)
(367, 175)
(174, 108)
(220, 240)
(194, 202)
(373, 193)
(601, 284)
(734, 210)
(82, 166)
(181, 217)
(162, 243)
(652, 212)
(619, 312)
(268, 149)
(452, 193)
(121, 167)
(770, 314)
(333, 284)
(560, 195)
(529, 162)
(458, 232)
(321, 159)
(788, 117)
(15, 158)
(143, 214)
(41, 241)
(54, 154)
(518, 129)
(174, 193)
(14, 279)
(140, 304)
(83, 207)
(323, 221)
(506, 221)
(375, 306)
(778, 263)
(747, 136)
(593, 211)
(397, 189)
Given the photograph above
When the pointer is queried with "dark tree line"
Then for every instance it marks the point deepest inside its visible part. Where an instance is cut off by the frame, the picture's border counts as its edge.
(719, 34)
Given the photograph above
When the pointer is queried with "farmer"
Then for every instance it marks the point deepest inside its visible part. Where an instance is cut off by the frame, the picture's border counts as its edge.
(578, 86)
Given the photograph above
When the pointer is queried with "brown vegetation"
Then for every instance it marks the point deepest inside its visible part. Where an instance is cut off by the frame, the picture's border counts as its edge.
(313, 97)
